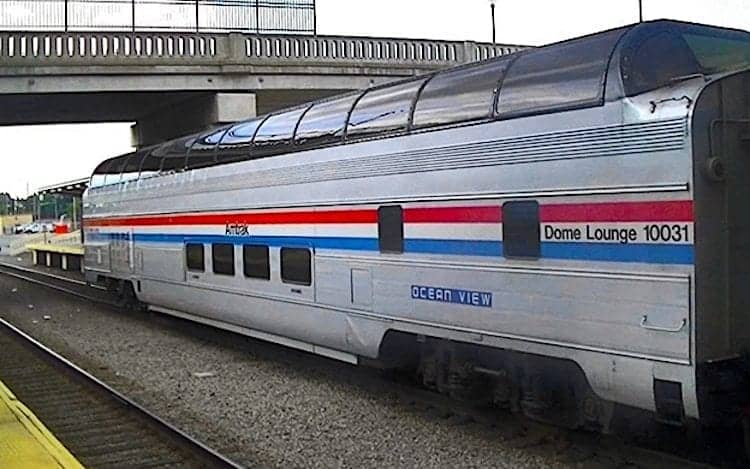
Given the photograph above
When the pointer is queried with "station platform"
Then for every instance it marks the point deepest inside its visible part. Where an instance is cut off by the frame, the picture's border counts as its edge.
(24, 440)
(25, 261)
(61, 256)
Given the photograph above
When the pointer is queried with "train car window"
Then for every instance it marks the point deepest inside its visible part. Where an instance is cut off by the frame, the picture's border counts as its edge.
(276, 133)
(383, 109)
(651, 60)
(175, 149)
(561, 76)
(255, 261)
(296, 266)
(150, 164)
(100, 173)
(325, 122)
(132, 167)
(173, 154)
(521, 232)
(202, 153)
(460, 94)
(114, 170)
(222, 257)
(236, 143)
(718, 50)
(195, 257)
(391, 229)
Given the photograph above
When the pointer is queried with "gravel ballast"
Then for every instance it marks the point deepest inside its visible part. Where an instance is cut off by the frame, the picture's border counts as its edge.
(263, 405)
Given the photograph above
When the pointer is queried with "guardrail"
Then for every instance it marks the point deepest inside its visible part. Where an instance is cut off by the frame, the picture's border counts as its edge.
(259, 16)
(84, 48)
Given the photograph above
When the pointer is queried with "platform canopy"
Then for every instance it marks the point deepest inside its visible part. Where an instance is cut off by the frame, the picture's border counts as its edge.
(74, 187)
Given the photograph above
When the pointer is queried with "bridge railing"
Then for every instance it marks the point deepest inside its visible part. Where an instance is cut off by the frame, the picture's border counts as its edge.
(90, 48)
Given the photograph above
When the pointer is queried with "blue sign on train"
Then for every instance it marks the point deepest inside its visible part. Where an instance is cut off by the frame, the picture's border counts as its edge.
(452, 295)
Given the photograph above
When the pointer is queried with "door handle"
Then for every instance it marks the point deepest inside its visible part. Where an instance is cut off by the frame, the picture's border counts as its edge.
(646, 325)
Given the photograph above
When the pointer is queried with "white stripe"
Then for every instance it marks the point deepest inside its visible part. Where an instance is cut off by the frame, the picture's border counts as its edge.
(363, 230)
(471, 231)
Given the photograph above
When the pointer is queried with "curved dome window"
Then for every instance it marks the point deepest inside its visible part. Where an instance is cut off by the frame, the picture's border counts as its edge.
(659, 54)
(236, 143)
(277, 131)
(325, 122)
(460, 94)
(384, 109)
(562, 76)
(202, 152)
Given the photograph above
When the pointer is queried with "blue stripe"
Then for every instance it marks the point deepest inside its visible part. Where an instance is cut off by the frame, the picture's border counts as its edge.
(330, 242)
(649, 253)
(454, 246)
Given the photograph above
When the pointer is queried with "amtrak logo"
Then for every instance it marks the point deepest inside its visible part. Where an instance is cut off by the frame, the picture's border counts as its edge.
(237, 229)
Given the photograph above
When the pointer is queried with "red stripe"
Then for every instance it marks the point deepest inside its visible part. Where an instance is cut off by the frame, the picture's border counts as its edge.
(678, 211)
(275, 218)
(488, 214)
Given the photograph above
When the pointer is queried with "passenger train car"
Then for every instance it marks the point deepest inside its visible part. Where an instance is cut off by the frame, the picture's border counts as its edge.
(564, 231)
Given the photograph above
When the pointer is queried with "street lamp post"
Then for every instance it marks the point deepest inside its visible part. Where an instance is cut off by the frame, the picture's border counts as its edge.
(640, 11)
(492, 11)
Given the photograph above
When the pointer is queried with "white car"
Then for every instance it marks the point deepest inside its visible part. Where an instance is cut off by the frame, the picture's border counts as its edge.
(37, 227)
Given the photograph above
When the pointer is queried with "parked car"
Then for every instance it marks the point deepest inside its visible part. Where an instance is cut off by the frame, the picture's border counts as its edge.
(38, 227)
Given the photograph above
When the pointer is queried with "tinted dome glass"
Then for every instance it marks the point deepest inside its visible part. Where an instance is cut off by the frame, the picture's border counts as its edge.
(657, 54)
(114, 169)
(325, 121)
(279, 129)
(106, 169)
(150, 164)
(719, 54)
(236, 142)
(564, 75)
(383, 109)
(460, 94)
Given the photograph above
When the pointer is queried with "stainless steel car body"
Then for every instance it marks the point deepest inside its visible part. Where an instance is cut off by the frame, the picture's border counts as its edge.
(604, 293)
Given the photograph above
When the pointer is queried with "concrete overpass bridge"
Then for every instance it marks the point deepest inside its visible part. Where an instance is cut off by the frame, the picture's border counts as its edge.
(175, 83)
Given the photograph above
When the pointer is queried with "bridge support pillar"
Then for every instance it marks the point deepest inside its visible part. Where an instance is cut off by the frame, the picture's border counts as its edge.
(192, 115)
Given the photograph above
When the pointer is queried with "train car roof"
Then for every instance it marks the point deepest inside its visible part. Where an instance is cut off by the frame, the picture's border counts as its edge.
(576, 73)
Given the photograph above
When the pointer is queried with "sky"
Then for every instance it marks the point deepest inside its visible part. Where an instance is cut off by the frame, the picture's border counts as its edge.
(35, 156)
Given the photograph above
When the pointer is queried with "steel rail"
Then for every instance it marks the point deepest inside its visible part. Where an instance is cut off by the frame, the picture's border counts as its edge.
(181, 439)
(5, 269)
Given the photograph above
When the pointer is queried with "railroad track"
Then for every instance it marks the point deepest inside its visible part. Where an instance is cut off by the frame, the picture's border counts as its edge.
(565, 446)
(581, 448)
(100, 426)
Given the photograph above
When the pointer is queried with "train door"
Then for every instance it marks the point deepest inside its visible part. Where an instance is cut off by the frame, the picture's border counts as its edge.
(721, 167)
(721, 136)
